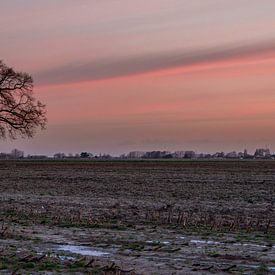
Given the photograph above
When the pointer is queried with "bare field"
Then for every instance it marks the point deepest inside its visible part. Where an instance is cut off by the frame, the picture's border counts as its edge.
(138, 217)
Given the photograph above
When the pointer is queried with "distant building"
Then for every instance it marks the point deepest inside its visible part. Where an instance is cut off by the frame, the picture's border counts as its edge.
(135, 154)
(262, 153)
(156, 154)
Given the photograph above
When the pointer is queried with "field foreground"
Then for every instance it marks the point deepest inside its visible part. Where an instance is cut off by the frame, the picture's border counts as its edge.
(150, 217)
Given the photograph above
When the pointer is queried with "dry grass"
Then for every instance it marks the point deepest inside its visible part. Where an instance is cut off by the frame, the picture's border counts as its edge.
(227, 195)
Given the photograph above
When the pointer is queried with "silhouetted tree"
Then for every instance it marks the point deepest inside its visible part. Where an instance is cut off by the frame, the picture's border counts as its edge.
(20, 113)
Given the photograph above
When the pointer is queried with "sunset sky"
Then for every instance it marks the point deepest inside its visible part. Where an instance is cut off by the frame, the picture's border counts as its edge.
(122, 75)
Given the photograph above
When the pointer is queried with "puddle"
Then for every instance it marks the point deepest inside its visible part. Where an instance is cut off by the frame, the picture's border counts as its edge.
(250, 244)
(82, 250)
(204, 242)
(270, 268)
(222, 243)
(158, 242)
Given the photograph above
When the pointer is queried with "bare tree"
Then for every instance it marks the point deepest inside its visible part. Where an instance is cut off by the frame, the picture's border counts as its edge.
(20, 113)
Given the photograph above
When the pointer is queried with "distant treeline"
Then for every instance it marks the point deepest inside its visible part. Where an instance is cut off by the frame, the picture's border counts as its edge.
(261, 153)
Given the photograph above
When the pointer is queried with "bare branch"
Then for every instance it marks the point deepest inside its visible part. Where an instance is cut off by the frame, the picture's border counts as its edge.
(20, 113)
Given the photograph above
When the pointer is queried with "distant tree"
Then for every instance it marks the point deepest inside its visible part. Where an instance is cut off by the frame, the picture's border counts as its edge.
(20, 113)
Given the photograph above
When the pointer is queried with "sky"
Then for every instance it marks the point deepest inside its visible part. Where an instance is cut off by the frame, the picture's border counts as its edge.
(120, 75)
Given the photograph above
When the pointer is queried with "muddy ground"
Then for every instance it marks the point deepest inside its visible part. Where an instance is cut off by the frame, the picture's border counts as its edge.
(145, 217)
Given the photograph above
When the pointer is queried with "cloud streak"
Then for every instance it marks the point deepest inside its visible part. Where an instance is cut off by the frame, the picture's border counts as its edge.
(134, 65)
